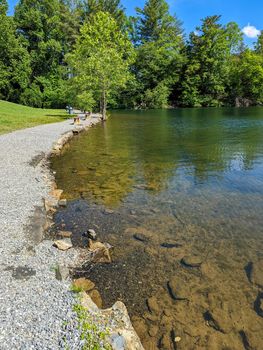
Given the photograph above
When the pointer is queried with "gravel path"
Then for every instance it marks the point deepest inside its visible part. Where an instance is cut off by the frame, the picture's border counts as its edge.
(34, 305)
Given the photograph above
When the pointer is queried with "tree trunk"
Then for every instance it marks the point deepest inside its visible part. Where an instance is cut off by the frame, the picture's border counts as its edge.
(103, 106)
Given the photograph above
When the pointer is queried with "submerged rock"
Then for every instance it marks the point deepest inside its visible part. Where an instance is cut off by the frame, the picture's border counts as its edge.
(141, 237)
(140, 326)
(192, 261)
(177, 291)
(63, 244)
(166, 342)
(217, 319)
(153, 305)
(170, 245)
(153, 330)
(256, 274)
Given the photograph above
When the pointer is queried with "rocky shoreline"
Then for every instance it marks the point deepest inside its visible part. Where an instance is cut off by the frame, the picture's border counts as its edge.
(115, 321)
(37, 304)
(34, 305)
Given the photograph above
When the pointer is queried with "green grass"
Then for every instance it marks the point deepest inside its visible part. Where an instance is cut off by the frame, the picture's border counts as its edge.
(92, 337)
(14, 116)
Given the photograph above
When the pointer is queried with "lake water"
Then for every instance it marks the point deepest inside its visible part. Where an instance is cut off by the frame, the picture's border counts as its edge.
(179, 194)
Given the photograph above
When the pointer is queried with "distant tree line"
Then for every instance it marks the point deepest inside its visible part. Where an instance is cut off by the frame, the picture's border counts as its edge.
(90, 54)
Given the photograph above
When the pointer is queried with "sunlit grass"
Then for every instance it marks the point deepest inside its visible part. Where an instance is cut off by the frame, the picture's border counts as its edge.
(14, 116)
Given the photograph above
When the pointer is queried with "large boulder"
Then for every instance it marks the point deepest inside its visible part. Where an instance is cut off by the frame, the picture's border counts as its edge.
(121, 334)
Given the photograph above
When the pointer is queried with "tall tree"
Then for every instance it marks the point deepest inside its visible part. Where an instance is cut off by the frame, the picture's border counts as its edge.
(100, 61)
(39, 25)
(113, 7)
(159, 58)
(14, 59)
(209, 52)
(155, 22)
(71, 18)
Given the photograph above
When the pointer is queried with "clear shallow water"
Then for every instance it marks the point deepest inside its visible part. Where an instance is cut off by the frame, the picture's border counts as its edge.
(190, 183)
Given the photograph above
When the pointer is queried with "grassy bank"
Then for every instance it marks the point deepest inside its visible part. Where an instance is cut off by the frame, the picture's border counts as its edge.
(14, 116)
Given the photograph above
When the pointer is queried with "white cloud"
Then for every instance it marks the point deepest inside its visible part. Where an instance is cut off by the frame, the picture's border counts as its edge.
(251, 31)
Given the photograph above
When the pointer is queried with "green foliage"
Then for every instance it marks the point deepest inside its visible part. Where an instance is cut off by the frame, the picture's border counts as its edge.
(259, 44)
(208, 63)
(91, 335)
(88, 53)
(113, 7)
(101, 60)
(14, 59)
(39, 23)
(159, 58)
(246, 79)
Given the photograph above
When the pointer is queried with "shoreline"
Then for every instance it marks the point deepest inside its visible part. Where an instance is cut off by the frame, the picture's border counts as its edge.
(34, 305)
(37, 305)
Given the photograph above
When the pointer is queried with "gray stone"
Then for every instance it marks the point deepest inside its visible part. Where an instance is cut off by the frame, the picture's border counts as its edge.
(62, 272)
(117, 342)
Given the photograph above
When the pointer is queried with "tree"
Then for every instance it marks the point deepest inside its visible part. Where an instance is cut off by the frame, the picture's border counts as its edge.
(14, 59)
(39, 25)
(100, 60)
(155, 22)
(113, 7)
(259, 44)
(159, 58)
(208, 54)
(246, 79)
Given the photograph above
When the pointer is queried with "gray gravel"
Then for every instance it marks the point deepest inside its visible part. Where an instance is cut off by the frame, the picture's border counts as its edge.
(34, 306)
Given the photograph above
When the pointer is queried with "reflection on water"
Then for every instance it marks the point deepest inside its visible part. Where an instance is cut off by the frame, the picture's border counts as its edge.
(185, 189)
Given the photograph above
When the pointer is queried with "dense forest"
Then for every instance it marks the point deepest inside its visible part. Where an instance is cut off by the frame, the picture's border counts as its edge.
(89, 53)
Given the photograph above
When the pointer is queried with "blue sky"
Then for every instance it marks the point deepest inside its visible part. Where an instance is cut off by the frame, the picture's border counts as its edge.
(243, 12)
